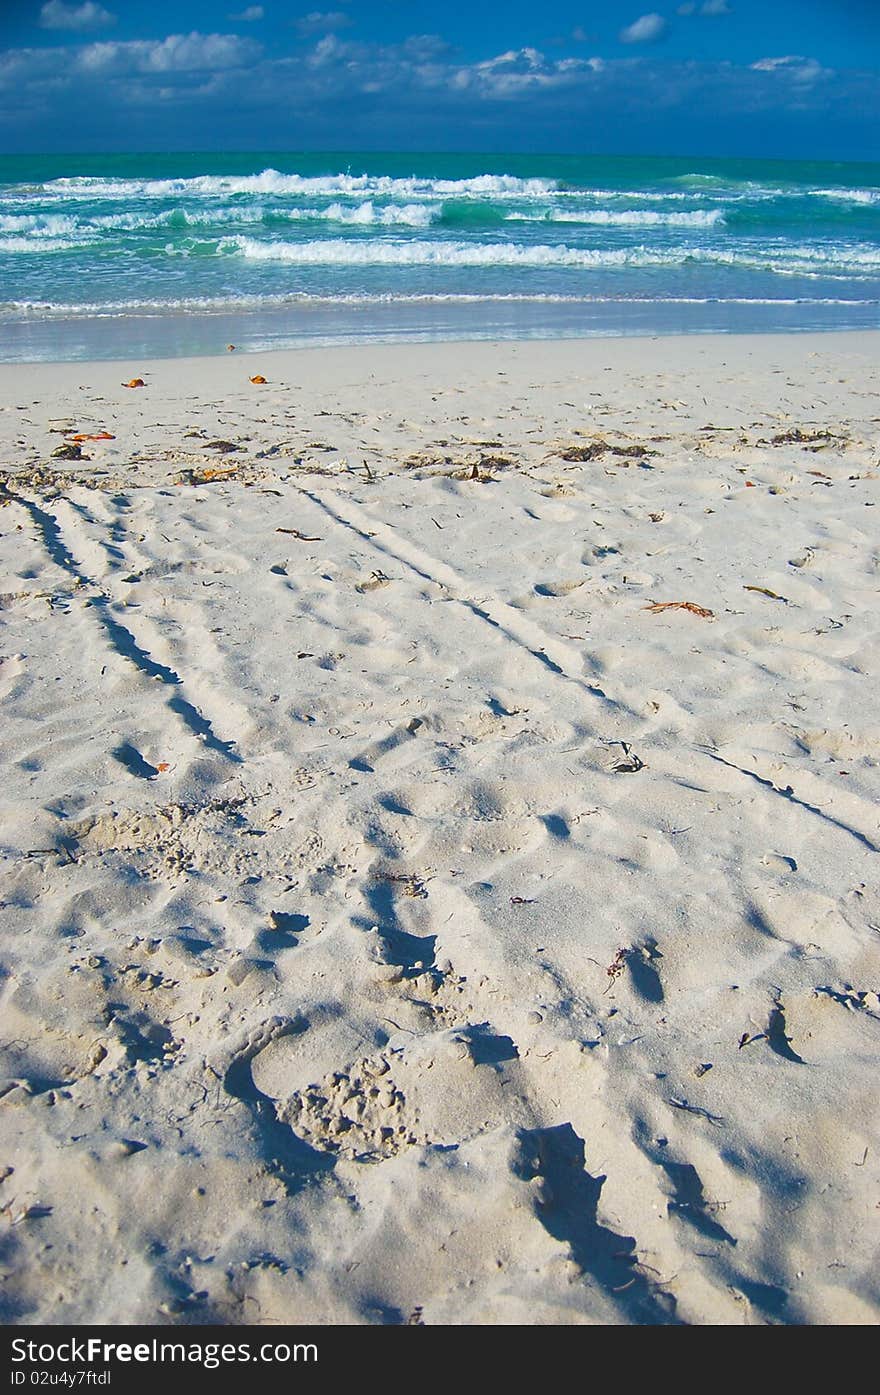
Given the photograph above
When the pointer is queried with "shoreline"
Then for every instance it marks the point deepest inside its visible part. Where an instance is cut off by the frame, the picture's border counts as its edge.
(441, 816)
(858, 340)
(426, 247)
(205, 334)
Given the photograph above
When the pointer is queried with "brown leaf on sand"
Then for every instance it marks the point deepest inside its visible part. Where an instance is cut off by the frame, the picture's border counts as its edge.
(682, 605)
(135, 382)
(258, 378)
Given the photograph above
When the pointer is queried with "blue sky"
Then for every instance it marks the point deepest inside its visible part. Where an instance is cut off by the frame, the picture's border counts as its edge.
(788, 78)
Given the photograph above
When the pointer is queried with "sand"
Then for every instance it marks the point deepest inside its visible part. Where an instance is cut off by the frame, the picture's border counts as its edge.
(412, 912)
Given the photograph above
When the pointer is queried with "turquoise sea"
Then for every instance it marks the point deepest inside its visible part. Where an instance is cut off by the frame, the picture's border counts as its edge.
(114, 256)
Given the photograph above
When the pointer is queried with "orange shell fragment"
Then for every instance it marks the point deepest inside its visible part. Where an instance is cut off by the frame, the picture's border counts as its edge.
(135, 382)
(99, 436)
(195, 477)
(258, 378)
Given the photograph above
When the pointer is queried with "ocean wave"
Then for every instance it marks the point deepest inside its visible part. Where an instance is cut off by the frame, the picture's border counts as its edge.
(861, 196)
(838, 260)
(38, 246)
(366, 213)
(800, 259)
(361, 214)
(235, 303)
(39, 224)
(627, 218)
(272, 182)
(410, 215)
(377, 252)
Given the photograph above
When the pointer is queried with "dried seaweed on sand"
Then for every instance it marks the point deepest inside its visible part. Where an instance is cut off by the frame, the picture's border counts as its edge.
(694, 609)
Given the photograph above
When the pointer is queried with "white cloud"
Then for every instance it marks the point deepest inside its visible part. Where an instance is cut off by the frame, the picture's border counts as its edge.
(322, 22)
(179, 53)
(325, 51)
(423, 46)
(55, 14)
(708, 7)
(198, 78)
(792, 65)
(522, 70)
(248, 16)
(644, 30)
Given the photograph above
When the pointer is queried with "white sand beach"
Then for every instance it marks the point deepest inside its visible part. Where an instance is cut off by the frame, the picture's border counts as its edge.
(414, 911)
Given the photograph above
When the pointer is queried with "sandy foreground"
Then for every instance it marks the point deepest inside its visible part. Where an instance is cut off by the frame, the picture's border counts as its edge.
(406, 917)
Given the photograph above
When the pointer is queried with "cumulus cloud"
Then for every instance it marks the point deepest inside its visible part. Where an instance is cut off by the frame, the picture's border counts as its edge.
(196, 71)
(644, 30)
(421, 64)
(715, 7)
(179, 53)
(248, 16)
(322, 22)
(55, 14)
(184, 88)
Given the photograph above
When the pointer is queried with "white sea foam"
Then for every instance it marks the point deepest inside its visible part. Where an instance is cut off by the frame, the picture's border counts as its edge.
(864, 196)
(626, 218)
(274, 183)
(255, 303)
(412, 215)
(38, 224)
(29, 235)
(377, 252)
(34, 245)
(834, 262)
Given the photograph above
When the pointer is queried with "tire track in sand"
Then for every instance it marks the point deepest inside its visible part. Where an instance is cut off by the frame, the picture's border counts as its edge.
(119, 637)
(557, 659)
